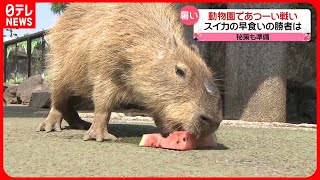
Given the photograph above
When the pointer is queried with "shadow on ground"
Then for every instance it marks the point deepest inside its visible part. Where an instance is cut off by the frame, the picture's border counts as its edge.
(129, 130)
(132, 133)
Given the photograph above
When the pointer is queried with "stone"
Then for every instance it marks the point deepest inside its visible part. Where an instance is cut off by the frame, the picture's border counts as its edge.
(301, 104)
(255, 79)
(32, 84)
(301, 62)
(10, 97)
(40, 99)
(5, 86)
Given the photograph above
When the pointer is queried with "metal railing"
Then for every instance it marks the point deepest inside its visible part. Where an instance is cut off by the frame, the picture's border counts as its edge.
(14, 55)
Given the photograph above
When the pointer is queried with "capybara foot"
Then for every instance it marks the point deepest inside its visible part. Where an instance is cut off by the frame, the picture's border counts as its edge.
(49, 125)
(99, 134)
(80, 124)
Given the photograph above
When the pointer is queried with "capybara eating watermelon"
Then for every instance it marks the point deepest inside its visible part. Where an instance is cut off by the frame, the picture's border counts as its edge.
(120, 53)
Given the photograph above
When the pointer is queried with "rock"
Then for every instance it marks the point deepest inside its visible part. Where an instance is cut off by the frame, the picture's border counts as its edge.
(32, 84)
(46, 86)
(307, 110)
(40, 100)
(301, 104)
(255, 78)
(10, 95)
(5, 86)
(12, 90)
(307, 104)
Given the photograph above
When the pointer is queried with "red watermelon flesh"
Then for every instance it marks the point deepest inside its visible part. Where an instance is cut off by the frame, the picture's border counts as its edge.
(178, 140)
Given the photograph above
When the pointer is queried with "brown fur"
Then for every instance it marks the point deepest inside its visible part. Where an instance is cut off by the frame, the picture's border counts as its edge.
(121, 53)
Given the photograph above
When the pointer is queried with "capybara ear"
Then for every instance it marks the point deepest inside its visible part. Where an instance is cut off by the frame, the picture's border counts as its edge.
(172, 42)
(195, 48)
(171, 45)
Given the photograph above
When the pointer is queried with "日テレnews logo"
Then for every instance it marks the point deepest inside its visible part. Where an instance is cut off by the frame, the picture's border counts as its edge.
(20, 15)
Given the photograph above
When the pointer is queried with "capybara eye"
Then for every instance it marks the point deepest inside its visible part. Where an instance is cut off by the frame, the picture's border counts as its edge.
(180, 72)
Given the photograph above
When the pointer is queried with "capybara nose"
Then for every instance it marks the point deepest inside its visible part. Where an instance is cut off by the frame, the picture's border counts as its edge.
(209, 120)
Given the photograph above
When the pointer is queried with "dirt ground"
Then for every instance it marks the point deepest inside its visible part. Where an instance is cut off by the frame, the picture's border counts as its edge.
(242, 151)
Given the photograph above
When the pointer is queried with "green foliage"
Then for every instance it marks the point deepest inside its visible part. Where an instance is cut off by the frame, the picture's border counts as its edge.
(16, 80)
(9, 49)
(36, 43)
(16, 64)
(46, 76)
(58, 8)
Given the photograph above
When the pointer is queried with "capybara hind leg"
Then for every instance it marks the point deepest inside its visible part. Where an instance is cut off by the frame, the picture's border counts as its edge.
(62, 108)
(53, 121)
(59, 106)
(74, 120)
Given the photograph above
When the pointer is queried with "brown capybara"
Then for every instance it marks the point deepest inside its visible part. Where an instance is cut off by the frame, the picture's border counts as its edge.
(129, 53)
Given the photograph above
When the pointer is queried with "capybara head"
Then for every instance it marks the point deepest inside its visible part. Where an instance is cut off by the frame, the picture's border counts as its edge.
(179, 90)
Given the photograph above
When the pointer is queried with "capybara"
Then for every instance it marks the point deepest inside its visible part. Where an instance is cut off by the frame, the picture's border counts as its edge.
(129, 53)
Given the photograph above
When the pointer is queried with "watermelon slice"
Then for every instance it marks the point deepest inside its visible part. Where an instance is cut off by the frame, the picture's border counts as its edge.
(178, 140)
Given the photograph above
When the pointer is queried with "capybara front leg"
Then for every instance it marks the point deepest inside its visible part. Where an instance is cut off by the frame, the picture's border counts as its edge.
(98, 129)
